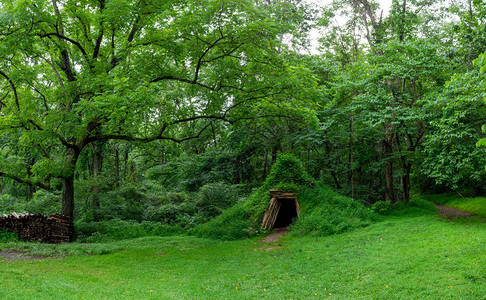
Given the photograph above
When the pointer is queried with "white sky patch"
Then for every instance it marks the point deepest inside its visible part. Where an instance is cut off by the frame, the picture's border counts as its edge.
(314, 34)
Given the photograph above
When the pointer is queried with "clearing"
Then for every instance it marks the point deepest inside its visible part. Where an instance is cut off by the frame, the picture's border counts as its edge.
(417, 256)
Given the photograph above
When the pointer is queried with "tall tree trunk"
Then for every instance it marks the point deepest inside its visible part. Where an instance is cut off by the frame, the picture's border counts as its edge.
(406, 181)
(68, 196)
(274, 154)
(96, 168)
(237, 173)
(265, 166)
(125, 162)
(350, 157)
(68, 183)
(117, 166)
(336, 180)
(31, 189)
(388, 171)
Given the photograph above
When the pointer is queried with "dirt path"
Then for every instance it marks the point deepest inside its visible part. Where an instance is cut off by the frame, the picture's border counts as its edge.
(8, 254)
(452, 213)
(274, 236)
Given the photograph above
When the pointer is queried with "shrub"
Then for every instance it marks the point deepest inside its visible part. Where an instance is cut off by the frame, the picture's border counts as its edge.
(233, 224)
(9, 204)
(117, 229)
(382, 207)
(213, 198)
(44, 202)
(6, 236)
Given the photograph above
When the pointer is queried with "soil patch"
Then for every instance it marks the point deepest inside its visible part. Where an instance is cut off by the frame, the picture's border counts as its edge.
(452, 213)
(274, 236)
(8, 254)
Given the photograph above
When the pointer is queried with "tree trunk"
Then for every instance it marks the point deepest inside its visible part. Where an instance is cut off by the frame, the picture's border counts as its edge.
(406, 181)
(265, 166)
(388, 171)
(68, 184)
(68, 196)
(96, 168)
(117, 166)
(274, 154)
(125, 162)
(31, 189)
(336, 180)
(237, 173)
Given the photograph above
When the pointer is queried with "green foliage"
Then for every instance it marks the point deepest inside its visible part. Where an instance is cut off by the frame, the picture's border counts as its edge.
(416, 206)
(325, 212)
(10, 204)
(450, 155)
(6, 236)
(288, 174)
(117, 229)
(234, 223)
(44, 202)
(212, 199)
(382, 207)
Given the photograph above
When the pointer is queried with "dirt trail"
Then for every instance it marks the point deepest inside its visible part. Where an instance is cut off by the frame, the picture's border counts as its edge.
(452, 213)
(274, 236)
(8, 254)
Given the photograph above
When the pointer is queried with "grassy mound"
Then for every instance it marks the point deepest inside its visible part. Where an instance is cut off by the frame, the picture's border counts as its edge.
(323, 211)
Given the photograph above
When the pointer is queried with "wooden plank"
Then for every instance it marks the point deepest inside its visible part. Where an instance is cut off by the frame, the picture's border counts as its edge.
(271, 214)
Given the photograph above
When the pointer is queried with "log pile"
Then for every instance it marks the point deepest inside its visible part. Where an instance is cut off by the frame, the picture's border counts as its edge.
(37, 227)
(61, 229)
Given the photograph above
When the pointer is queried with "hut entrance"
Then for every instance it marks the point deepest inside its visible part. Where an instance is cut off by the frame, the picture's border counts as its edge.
(286, 214)
(282, 210)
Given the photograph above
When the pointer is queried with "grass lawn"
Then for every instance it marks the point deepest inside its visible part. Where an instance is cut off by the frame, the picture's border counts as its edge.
(406, 257)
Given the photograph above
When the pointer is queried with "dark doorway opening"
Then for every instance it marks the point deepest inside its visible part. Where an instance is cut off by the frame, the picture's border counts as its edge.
(286, 214)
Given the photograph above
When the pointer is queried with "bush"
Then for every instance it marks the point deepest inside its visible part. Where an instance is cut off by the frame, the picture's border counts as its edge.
(44, 202)
(233, 224)
(9, 204)
(382, 207)
(6, 236)
(213, 198)
(117, 229)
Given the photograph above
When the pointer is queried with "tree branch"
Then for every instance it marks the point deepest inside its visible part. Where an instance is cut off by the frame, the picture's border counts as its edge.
(14, 89)
(45, 186)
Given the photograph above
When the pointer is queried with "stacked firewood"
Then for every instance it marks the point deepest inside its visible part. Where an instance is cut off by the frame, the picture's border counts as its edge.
(37, 227)
(61, 229)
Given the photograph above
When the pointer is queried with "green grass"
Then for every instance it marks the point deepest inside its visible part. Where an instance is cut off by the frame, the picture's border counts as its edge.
(417, 256)
(475, 205)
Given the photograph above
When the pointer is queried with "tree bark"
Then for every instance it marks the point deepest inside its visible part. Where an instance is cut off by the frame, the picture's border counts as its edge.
(117, 166)
(68, 196)
(406, 181)
(388, 170)
(31, 189)
(96, 168)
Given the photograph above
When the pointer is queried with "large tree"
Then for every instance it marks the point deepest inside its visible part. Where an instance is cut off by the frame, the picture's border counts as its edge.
(78, 72)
